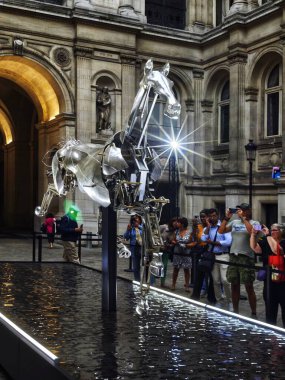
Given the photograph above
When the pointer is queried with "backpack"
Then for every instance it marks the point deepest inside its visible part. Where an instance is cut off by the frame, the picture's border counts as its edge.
(43, 228)
(58, 226)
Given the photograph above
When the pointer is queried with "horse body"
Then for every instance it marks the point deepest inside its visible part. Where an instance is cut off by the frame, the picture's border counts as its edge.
(119, 173)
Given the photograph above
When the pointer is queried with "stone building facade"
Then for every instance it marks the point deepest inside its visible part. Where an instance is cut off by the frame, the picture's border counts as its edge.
(226, 60)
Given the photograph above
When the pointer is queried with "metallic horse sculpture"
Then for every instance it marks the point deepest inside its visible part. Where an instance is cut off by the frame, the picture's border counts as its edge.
(121, 172)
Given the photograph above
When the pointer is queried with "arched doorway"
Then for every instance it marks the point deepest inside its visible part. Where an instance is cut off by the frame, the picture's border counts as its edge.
(32, 102)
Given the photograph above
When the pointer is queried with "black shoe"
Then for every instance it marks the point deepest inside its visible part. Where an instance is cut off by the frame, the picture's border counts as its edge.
(243, 298)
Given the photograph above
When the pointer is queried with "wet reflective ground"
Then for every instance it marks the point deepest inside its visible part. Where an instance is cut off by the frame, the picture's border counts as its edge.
(60, 306)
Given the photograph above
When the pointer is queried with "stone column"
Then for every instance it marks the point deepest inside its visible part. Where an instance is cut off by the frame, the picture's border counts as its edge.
(128, 86)
(236, 181)
(83, 94)
(281, 182)
(253, 4)
(238, 6)
(199, 131)
(127, 9)
(197, 15)
(190, 114)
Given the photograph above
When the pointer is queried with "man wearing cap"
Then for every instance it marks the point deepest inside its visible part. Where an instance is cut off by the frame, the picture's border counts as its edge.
(69, 235)
(240, 253)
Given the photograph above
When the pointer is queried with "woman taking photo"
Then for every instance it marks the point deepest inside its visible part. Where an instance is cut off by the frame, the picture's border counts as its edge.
(271, 244)
(181, 253)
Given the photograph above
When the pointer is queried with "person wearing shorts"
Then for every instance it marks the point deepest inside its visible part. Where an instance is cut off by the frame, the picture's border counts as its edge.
(240, 254)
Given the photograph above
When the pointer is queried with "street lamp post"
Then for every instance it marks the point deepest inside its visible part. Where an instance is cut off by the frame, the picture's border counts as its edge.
(250, 150)
(174, 185)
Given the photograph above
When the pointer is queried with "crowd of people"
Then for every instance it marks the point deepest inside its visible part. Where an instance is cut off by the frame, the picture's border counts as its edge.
(233, 243)
(230, 245)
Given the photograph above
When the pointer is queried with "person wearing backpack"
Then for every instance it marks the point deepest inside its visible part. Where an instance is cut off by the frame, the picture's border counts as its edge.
(69, 235)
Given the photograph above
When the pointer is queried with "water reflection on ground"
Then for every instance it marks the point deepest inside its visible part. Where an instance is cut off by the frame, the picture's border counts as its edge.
(60, 306)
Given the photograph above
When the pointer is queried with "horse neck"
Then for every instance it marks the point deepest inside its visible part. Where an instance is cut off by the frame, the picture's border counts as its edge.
(138, 114)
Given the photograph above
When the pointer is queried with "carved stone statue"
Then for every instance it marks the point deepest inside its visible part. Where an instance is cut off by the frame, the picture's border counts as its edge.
(103, 107)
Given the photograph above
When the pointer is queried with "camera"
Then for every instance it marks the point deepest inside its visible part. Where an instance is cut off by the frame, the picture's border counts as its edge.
(233, 210)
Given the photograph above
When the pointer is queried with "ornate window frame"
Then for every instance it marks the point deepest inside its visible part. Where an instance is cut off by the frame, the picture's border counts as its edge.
(223, 107)
(269, 92)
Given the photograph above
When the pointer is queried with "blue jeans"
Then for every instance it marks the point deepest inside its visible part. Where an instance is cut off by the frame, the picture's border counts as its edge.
(136, 251)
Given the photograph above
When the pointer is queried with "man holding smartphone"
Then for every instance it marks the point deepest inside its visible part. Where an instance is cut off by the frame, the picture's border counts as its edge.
(69, 235)
(241, 254)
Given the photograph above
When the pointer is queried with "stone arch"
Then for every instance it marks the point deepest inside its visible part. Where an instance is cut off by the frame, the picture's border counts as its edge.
(35, 100)
(182, 81)
(261, 63)
(215, 79)
(40, 83)
(6, 124)
(108, 74)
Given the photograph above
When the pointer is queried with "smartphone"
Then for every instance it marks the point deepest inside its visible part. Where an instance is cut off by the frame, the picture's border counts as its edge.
(257, 227)
(233, 210)
(81, 225)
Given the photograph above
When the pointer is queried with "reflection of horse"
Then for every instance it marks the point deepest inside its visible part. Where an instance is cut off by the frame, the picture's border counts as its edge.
(121, 171)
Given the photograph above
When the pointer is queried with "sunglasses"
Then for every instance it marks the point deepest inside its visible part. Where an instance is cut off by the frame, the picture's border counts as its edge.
(275, 230)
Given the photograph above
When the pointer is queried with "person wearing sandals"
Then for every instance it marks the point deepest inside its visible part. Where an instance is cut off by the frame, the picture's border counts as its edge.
(181, 253)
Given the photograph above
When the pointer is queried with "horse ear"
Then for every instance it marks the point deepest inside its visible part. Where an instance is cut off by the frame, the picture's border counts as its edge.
(165, 69)
(148, 67)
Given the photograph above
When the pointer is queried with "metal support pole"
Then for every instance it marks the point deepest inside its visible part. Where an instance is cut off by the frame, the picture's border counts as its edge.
(34, 247)
(109, 259)
(40, 248)
(250, 183)
(174, 185)
(79, 247)
(267, 290)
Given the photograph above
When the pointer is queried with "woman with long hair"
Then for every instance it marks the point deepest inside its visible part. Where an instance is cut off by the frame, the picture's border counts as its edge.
(271, 244)
(181, 253)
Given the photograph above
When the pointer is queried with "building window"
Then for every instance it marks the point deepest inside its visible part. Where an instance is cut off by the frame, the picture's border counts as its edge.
(224, 114)
(170, 13)
(221, 8)
(273, 99)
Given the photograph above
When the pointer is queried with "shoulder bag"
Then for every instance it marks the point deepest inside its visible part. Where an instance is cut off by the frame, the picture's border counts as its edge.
(277, 262)
(207, 260)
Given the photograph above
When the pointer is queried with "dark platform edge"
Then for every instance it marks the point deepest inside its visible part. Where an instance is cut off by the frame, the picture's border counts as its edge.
(24, 358)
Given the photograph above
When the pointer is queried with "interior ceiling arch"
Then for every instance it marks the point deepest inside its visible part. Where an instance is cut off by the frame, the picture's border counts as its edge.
(36, 81)
(6, 127)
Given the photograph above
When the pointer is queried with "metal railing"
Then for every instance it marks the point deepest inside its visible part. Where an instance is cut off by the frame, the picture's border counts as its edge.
(38, 237)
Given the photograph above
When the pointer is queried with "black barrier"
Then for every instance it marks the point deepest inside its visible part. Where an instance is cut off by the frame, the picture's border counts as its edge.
(269, 272)
(39, 236)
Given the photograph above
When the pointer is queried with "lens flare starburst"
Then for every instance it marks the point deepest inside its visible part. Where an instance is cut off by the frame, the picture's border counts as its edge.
(176, 143)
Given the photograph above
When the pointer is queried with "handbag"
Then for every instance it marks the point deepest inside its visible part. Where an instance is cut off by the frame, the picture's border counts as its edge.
(277, 262)
(207, 260)
(261, 275)
(138, 237)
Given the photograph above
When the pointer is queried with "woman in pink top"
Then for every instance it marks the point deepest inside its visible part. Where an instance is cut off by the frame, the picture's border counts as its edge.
(50, 228)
